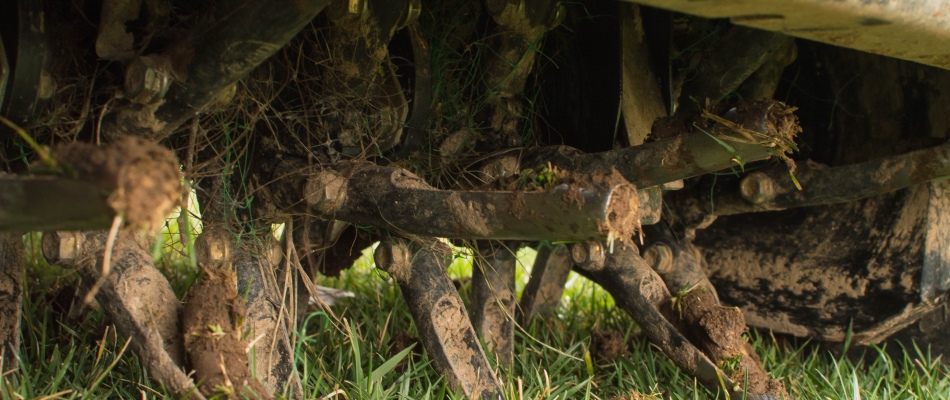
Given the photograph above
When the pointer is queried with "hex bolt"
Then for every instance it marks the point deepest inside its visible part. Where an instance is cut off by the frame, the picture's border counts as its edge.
(147, 79)
(275, 254)
(660, 257)
(394, 259)
(212, 247)
(588, 255)
(61, 248)
(757, 188)
(325, 191)
(674, 185)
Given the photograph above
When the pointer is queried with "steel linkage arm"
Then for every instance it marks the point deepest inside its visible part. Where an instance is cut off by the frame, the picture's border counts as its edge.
(771, 189)
(393, 198)
(752, 131)
(173, 86)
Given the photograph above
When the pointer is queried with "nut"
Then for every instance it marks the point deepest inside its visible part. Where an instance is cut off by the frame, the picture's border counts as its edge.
(325, 191)
(588, 255)
(757, 188)
(660, 257)
(394, 259)
(274, 252)
(146, 80)
(61, 247)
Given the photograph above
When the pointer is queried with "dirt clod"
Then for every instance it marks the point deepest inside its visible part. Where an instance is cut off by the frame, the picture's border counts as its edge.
(143, 177)
(718, 331)
(607, 345)
(212, 320)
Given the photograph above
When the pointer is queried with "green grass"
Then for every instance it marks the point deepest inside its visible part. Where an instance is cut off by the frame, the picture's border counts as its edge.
(354, 358)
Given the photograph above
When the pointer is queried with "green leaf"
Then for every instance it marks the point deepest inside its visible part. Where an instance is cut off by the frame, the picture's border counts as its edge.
(391, 363)
(795, 180)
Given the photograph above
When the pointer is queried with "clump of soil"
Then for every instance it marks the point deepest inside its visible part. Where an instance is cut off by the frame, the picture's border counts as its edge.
(607, 345)
(623, 209)
(717, 331)
(212, 320)
(143, 178)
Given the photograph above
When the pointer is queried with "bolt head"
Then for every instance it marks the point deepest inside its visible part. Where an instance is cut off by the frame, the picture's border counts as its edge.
(60, 247)
(589, 255)
(146, 80)
(325, 191)
(659, 257)
(757, 188)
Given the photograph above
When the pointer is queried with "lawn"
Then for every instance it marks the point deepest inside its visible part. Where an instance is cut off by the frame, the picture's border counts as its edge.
(355, 352)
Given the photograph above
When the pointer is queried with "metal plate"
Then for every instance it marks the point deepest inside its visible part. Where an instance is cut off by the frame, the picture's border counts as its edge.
(909, 30)
(25, 40)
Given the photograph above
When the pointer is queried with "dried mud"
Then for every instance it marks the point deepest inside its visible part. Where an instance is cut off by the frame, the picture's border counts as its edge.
(454, 331)
(718, 331)
(143, 177)
(213, 320)
(11, 290)
(827, 268)
(607, 345)
(468, 216)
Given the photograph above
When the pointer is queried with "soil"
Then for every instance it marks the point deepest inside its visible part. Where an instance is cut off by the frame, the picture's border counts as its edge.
(607, 345)
(143, 177)
(718, 332)
(623, 209)
(212, 320)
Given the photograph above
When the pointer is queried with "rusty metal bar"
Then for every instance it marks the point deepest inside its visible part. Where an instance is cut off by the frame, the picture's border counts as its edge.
(237, 36)
(642, 165)
(692, 150)
(542, 294)
(135, 296)
(678, 262)
(911, 30)
(493, 299)
(29, 203)
(440, 315)
(772, 188)
(395, 199)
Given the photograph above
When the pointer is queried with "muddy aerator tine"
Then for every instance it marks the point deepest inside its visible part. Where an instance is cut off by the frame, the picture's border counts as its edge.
(275, 365)
(256, 284)
(543, 292)
(135, 296)
(638, 290)
(493, 299)
(12, 265)
(439, 314)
